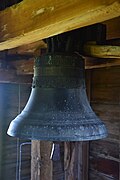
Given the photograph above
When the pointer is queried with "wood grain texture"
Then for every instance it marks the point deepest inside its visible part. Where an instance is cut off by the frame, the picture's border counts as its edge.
(29, 21)
(102, 51)
(94, 175)
(106, 87)
(95, 63)
(105, 101)
(12, 96)
(76, 160)
(35, 160)
(105, 148)
(10, 76)
(41, 165)
(113, 28)
(105, 166)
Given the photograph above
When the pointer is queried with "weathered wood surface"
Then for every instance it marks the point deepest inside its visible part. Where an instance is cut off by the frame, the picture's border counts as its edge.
(106, 88)
(71, 160)
(113, 32)
(93, 63)
(76, 160)
(13, 98)
(113, 28)
(106, 76)
(102, 51)
(41, 165)
(105, 100)
(10, 76)
(36, 20)
(110, 114)
(35, 160)
(23, 67)
(58, 163)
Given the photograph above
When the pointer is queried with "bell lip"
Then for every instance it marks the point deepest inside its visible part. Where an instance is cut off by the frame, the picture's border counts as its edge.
(46, 138)
(58, 134)
(62, 140)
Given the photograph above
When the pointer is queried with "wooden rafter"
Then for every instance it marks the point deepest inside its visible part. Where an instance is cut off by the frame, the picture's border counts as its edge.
(102, 51)
(92, 63)
(30, 21)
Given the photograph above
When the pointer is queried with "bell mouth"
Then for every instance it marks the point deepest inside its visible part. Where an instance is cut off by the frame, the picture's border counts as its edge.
(63, 133)
(58, 108)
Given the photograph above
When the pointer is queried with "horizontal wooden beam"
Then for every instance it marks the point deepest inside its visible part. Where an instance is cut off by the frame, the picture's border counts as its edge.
(30, 21)
(23, 67)
(102, 51)
(92, 63)
(28, 49)
(10, 76)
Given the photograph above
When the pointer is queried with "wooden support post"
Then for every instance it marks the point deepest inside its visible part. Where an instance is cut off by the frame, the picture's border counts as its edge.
(41, 165)
(71, 162)
(76, 160)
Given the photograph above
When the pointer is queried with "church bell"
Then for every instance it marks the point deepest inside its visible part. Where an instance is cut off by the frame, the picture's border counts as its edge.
(58, 108)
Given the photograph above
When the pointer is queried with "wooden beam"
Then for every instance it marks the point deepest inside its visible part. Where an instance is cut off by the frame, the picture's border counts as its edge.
(28, 49)
(41, 165)
(72, 160)
(10, 76)
(76, 160)
(35, 160)
(92, 63)
(112, 28)
(102, 51)
(30, 21)
(23, 67)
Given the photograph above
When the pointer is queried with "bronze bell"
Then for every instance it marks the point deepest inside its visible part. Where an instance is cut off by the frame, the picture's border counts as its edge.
(58, 108)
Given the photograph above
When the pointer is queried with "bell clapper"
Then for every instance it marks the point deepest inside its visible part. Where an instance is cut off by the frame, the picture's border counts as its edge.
(55, 152)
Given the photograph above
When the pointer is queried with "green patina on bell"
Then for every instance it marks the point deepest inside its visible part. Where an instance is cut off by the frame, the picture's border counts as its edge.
(58, 108)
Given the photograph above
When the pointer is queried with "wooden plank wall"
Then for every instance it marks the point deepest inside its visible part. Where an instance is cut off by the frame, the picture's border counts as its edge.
(13, 97)
(105, 100)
